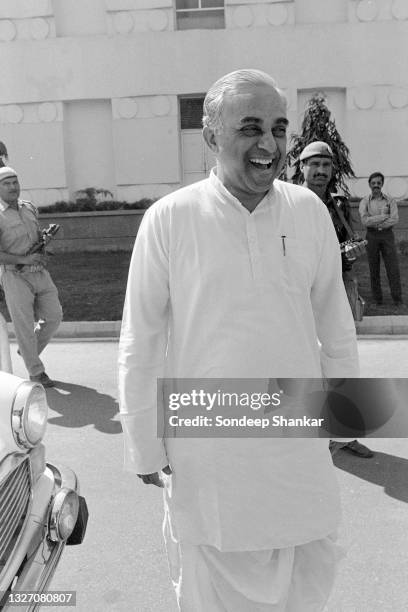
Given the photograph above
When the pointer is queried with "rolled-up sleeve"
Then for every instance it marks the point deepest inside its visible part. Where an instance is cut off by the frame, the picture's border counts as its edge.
(142, 345)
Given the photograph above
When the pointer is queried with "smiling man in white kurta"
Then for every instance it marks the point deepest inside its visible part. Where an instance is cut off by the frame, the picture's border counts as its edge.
(238, 276)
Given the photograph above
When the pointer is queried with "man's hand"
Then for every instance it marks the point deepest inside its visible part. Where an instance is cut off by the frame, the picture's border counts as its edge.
(359, 248)
(354, 250)
(34, 259)
(154, 478)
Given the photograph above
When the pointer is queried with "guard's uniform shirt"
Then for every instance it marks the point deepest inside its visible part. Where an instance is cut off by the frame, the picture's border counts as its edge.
(19, 229)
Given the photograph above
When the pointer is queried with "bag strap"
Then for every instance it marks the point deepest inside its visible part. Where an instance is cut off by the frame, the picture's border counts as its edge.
(342, 218)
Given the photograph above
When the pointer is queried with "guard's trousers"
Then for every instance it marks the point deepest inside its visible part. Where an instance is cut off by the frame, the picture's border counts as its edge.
(35, 310)
(383, 243)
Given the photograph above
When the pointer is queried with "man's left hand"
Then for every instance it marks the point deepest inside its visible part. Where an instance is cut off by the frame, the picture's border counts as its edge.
(154, 478)
(359, 249)
(34, 259)
(355, 250)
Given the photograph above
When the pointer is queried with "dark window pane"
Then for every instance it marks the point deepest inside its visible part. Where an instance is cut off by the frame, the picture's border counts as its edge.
(187, 4)
(201, 20)
(212, 3)
(191, 113)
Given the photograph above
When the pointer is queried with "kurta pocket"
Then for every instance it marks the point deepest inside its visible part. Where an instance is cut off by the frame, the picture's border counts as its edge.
(297, 264)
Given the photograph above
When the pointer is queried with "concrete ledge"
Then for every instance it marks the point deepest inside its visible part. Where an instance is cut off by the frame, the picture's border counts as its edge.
(389, 325)
(82, 329)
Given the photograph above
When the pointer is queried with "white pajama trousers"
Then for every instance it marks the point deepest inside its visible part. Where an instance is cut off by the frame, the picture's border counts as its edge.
(295, 579)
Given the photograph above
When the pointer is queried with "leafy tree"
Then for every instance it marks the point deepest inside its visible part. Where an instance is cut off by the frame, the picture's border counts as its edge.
(317, 125)
(3, 155)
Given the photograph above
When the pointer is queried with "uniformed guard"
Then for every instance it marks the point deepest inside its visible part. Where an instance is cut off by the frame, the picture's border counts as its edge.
(317, 168)
(31, 296)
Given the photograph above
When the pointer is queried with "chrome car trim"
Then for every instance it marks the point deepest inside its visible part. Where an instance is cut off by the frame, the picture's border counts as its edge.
(63, 476)
(15, 502)
(38, 571)
(40, 565)
(19, 411)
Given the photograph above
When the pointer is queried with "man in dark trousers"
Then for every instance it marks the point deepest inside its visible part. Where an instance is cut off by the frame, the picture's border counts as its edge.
(317, 168)
(379, 213)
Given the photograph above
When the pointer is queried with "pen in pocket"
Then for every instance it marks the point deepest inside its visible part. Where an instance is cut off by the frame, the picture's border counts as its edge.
(283, 245)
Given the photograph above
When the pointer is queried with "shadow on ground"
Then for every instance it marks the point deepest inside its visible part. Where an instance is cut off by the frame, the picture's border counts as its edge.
(384, 470)
(79, 406)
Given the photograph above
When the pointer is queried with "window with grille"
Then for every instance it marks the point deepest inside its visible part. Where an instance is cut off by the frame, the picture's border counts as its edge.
(191, 113)
(200, 14)
(197, 159)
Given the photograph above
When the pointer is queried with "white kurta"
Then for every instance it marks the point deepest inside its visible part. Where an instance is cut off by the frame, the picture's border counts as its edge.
(215, 291)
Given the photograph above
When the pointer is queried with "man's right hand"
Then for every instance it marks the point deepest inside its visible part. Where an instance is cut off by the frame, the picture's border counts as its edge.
(34, 259)
(154, 478)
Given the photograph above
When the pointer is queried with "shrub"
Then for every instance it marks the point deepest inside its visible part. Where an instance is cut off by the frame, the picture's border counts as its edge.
(143, 203)
(91, 199)
(60, 206)
(403, 247)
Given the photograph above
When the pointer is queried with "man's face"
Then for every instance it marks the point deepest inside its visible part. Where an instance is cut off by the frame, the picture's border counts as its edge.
(251, 144)
(376, 184)
(10, 190)
(317, 172)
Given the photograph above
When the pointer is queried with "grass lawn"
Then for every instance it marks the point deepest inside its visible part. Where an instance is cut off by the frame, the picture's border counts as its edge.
(92, 285)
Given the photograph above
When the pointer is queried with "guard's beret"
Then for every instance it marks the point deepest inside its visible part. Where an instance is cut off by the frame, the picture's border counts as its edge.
(319, 148)
(7, 172)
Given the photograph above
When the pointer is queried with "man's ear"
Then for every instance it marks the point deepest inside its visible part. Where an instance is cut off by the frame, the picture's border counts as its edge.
(210, 138)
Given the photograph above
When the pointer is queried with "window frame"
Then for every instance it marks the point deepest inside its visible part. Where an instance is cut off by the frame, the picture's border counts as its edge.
(200, 8)
(182, 97)
(197, 11)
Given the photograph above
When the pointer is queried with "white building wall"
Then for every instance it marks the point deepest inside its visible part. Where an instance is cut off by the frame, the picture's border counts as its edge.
(129, 54)
(146, 145)
(88, 145)
(79, 17)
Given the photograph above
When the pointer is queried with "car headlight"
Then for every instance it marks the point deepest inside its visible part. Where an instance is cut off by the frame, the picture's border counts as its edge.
(63, 515)
(29, 414)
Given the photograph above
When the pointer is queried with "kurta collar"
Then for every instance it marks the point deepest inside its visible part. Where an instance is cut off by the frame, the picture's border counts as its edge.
(227, 197)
